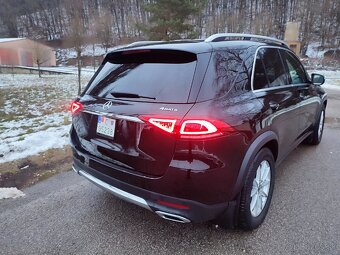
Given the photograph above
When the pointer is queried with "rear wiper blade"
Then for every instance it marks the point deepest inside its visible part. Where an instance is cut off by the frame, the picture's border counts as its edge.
(130, 95)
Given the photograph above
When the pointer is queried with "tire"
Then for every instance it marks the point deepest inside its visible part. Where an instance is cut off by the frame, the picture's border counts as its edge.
(316, 136)
(253, 205)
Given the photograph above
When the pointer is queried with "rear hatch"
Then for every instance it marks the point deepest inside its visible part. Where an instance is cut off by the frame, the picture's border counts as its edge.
(129, 88)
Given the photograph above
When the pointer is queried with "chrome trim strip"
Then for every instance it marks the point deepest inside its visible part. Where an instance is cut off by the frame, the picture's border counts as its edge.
(75, 170)
(172, 217)
(279, 87)
(115, 191)
(216, 36)
(115, 116)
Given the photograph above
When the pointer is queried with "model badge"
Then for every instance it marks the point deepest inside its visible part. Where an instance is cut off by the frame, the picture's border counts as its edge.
(168, 109)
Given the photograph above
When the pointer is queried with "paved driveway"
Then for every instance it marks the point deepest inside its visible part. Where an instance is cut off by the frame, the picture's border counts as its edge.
(68, 215)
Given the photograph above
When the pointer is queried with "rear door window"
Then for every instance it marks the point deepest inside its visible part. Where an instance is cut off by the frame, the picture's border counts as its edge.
(228, 72)
(154, 75)
(297, 74)
(269, 70)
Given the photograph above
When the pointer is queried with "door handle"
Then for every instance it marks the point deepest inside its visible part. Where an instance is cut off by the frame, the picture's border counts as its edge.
(302, 96)
(274, 105)
(302, 93)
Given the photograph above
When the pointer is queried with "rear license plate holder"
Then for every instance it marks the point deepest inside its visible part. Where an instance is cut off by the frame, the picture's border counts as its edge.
(106, 126)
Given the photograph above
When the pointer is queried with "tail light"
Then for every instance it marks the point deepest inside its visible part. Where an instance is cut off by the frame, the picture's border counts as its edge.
(167, 125)
(76, 107)
(190, 128)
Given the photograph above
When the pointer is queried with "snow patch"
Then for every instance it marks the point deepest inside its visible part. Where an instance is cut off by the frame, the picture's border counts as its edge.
(34, 143)
(314, 51)
(332, 87)
(10, 39)
(35, 114)
(98, 50)
(10, 193)
(332, 78)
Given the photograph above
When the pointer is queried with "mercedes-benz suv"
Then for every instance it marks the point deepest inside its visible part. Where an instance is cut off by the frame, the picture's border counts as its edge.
(193, 130)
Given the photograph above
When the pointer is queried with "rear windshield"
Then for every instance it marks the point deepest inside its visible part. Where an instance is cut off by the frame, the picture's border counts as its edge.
(149, 75)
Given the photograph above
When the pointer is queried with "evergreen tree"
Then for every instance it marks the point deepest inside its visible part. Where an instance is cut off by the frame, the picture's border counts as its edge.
(169, 19)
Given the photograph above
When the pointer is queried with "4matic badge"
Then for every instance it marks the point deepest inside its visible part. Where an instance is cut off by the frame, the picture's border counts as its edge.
(168, 109)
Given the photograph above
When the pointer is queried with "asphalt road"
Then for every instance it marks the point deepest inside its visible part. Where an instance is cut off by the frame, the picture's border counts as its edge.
(68, 215)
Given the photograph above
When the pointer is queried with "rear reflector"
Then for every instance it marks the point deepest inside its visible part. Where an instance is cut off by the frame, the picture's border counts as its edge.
(76, 107)
(173, 205)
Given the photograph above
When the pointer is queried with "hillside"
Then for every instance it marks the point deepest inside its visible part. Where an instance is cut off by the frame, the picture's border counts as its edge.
(117, 22)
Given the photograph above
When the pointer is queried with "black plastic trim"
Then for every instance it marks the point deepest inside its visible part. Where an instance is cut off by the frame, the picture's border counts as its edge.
(197, 212)
(255, 146)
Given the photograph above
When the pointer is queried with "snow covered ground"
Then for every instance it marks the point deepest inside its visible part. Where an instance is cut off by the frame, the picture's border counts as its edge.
(10, 193)
(65, 54)
(34, 112)
(332, 78)
(313, 50)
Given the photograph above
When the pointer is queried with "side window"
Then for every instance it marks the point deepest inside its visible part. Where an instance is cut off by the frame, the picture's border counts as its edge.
(296, 73)
(269, 70)
(228, 72)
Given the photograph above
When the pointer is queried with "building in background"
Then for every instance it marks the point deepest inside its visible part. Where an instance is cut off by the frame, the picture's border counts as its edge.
(292, 36)
(25, 52)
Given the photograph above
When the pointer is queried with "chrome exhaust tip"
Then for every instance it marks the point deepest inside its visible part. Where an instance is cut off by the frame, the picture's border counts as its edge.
(172, 217)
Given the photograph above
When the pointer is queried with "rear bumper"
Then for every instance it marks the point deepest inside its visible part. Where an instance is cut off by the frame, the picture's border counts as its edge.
(193, 211)
(115, 191)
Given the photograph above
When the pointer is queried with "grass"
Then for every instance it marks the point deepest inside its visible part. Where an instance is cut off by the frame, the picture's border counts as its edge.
(29, 104)
(27, 100)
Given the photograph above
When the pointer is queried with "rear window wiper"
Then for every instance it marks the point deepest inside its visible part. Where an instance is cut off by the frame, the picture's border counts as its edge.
(129, 95)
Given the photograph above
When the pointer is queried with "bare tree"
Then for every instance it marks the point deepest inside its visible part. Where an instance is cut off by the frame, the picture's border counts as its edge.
(41, 55)
(319, 20)
(40, 52)
(77, 40)
(104, 30)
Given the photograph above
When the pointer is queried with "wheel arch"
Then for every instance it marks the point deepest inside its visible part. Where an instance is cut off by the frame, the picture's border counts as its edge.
(268, 139)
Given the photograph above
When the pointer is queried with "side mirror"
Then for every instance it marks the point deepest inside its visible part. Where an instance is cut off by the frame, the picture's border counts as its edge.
(318, 79)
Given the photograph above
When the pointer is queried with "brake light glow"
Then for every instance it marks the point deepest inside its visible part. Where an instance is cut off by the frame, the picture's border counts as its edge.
(167, 125)
(190, 128)
(76, 107)
(197, 127)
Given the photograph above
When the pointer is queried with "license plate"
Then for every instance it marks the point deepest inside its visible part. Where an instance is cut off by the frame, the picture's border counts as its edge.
(106, 126)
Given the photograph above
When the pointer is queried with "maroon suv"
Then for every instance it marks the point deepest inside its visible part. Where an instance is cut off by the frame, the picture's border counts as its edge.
(193, 130)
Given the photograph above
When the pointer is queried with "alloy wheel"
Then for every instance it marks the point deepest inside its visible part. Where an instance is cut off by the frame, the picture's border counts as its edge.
(260, 190)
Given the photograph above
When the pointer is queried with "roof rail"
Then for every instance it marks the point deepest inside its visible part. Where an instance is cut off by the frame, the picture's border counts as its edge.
(143, 43)
(136, 44)
(223, 36)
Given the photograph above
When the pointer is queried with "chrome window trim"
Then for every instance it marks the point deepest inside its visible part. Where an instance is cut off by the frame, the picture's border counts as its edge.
(253, 71)
(115, 116)
(279, 87)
